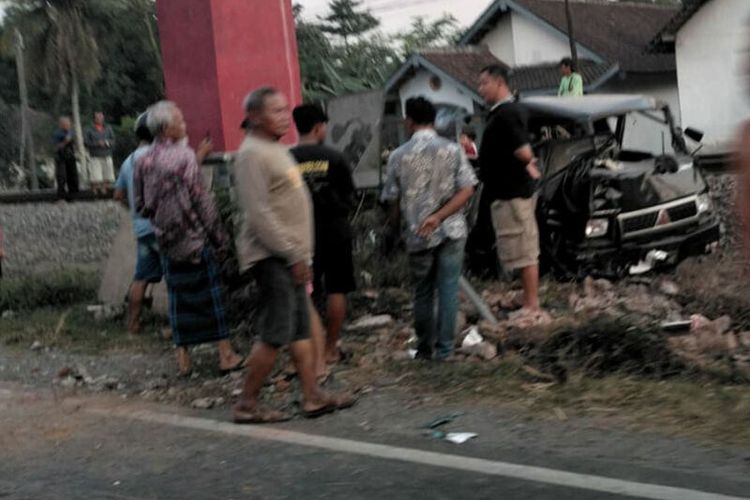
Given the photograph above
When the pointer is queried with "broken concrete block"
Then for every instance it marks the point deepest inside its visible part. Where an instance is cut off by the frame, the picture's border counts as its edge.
(669, 288)
(205, 403)
(484, 350)
(371, 322)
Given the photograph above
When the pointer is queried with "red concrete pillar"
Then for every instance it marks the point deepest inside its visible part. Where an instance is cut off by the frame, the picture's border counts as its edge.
(215, 51)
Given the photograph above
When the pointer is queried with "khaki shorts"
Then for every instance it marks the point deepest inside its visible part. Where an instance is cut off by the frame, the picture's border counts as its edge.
(517, 233)
(101, 169)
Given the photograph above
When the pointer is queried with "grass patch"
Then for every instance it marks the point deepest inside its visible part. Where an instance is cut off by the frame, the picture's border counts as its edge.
(73, 329)
(683, 406)
(57, 288)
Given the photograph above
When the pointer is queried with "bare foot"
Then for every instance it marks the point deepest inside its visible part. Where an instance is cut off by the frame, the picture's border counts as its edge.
(322, 376)
(184, 362)
(333, 357)
(134, 327)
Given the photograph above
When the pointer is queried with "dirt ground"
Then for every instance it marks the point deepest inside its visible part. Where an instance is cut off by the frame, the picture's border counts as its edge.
(601, 355)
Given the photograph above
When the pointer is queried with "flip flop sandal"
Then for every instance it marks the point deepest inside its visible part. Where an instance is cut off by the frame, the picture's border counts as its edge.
(260, 415)
(344, 401)
(239, 366)
(329, 407)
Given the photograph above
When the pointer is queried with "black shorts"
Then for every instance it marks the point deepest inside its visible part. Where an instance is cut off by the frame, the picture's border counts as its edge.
(283, 315)
(333, 265)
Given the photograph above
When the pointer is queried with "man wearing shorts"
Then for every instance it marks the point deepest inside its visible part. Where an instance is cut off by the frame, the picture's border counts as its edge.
(329, 180)
(148, 263)
(99, 140)
(275, 241)
(508, 169)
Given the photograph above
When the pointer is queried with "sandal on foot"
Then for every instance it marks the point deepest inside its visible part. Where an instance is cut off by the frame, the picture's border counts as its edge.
(328, 407)
(258, 415)
(344, 400)
(237, 366)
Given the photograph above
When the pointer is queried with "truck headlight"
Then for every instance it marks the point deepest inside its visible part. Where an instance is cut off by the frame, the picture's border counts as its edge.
(596, 228)
(703, 203)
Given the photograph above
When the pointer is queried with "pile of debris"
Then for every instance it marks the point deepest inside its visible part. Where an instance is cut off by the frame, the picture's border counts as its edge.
(637, 327)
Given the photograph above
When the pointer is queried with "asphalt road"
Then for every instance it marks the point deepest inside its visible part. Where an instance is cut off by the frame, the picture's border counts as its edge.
(62, 446)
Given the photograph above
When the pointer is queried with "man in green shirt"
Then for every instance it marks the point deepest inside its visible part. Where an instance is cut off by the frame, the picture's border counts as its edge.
(571, 83)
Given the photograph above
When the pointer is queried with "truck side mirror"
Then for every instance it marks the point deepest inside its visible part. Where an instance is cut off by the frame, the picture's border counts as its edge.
(694, 134)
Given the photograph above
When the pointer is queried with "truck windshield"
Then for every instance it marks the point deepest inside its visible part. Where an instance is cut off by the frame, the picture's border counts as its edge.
(647, 132)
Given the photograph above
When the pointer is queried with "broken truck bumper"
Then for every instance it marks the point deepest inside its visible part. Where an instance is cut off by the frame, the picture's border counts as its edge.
(695, 240)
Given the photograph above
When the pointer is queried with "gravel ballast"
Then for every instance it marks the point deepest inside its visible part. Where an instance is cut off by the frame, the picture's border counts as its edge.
(48, 236)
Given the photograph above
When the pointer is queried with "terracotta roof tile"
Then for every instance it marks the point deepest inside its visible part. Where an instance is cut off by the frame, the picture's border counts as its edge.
(544, 77)
(464, 64)
(619, 32)
(461, 63)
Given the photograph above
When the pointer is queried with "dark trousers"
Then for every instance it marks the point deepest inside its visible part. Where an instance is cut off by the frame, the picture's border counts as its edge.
(66, 173)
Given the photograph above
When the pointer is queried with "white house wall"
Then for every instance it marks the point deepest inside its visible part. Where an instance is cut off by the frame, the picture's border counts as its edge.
(500, 41)
(419, 85)
(641, 130)
(535, 44)
(519, 41)
(710, 51)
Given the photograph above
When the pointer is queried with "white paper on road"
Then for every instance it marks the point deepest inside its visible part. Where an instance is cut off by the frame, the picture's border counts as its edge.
(460, 437)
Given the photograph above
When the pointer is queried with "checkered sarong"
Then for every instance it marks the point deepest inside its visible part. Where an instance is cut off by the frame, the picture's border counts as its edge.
(196, 306)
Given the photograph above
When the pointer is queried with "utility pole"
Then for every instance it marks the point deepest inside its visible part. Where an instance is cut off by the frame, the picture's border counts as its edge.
(571, 35)
(27, 140)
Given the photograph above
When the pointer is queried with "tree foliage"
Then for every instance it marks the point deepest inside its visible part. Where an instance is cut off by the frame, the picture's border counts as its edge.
(343, 52)
(347, 19)
(423, 33)
(115, 48)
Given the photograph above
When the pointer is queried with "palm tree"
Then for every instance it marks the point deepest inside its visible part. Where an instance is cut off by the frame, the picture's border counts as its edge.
(61, 46)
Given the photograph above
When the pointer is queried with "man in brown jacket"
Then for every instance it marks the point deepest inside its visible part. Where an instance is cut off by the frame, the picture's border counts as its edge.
(275, 241)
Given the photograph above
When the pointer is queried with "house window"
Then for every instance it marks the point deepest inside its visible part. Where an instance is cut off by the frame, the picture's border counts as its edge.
(435, 83)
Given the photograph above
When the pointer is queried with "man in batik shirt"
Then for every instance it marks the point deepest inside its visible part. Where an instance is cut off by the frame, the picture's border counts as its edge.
(432, 179)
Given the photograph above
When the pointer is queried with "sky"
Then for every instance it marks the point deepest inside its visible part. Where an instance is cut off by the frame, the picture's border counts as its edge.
(396, 15)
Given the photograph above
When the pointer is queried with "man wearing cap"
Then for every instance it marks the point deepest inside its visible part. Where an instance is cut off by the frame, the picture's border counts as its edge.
(274, 239)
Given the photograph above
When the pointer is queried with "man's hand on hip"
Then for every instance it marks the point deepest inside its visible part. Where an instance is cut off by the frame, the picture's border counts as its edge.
(429, 226)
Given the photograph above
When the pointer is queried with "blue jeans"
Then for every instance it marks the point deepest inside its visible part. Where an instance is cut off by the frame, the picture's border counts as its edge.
(438, 269)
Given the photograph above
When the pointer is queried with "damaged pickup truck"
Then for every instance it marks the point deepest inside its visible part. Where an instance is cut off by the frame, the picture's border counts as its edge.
(619, 191)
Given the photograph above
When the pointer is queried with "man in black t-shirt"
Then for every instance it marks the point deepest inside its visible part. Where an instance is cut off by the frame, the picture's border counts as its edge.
(507, 168)
(329, 179)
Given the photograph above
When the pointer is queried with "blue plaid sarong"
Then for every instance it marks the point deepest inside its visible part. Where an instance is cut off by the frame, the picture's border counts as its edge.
(196, 306)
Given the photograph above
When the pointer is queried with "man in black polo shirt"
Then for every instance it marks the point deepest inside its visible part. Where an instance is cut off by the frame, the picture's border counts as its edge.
(508, 170)
(329, 179)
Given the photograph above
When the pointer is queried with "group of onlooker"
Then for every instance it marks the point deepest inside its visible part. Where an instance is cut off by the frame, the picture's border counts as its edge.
(99, 141)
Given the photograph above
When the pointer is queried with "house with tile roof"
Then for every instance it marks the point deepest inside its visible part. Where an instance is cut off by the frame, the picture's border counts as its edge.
(709, 39)
(530, 38)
